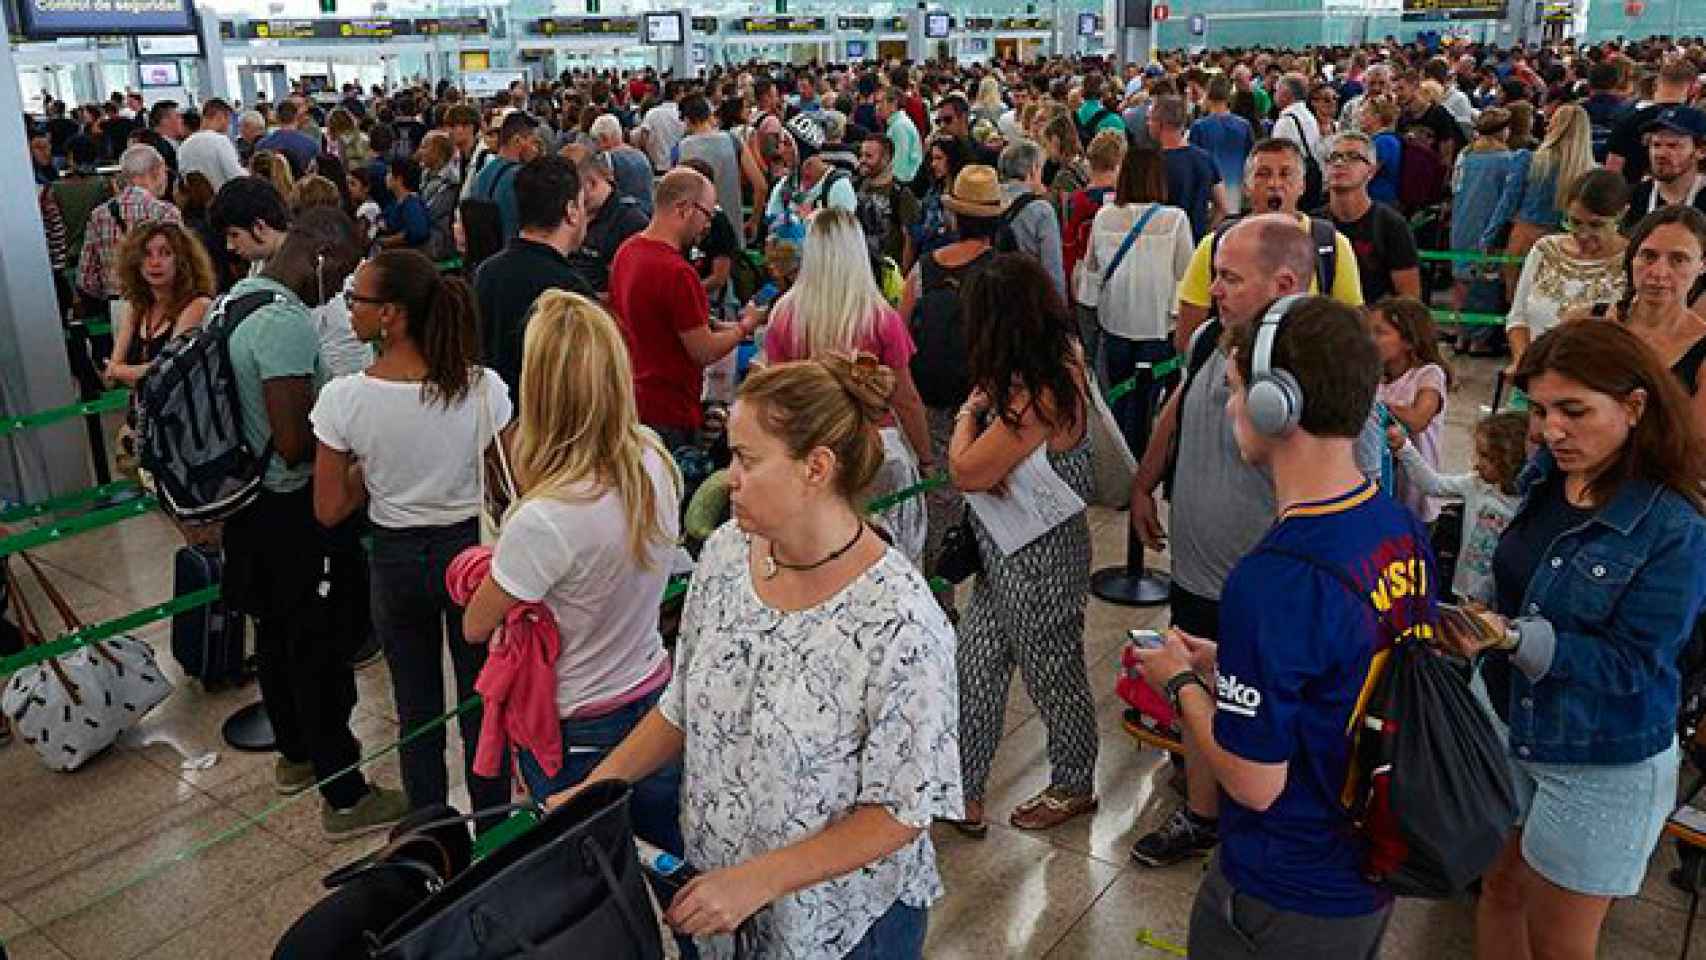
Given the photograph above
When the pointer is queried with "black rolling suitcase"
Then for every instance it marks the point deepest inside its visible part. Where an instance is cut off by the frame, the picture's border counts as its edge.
(208, 642)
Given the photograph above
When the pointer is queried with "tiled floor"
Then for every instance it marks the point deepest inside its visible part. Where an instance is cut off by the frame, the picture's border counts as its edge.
(89, 865)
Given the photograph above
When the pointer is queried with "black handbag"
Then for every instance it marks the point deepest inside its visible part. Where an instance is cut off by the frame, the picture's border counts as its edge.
(959, 560)
(570, 887)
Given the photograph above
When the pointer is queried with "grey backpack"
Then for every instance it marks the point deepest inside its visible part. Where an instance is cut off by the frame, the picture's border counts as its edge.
(190, 419)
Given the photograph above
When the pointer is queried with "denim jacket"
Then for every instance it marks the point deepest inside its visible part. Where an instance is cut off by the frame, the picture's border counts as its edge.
(1526, 200)
(1602, 622)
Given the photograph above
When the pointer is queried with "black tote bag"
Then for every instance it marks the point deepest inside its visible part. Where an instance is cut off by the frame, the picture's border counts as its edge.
(570, 887)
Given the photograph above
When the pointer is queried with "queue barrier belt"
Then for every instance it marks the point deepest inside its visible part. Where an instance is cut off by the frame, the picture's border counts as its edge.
(41, 508)
(1468, 319)
(1466, 256)
(105, 403)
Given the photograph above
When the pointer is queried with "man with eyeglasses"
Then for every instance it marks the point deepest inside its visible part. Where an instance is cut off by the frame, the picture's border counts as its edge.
(953, 117)
(1380, 236)
(660, 301)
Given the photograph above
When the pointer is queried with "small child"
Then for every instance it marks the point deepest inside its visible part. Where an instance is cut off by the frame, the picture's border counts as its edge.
(369, 217)
(1489, 494)
(1414, 384)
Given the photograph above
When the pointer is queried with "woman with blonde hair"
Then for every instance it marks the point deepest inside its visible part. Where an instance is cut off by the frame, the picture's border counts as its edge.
(345, 140)
(591, 539)
(1536, 192)
(835, 306)
(316, 191)
(805, 629)
(271, 166)
(167, 282)
(988, 105)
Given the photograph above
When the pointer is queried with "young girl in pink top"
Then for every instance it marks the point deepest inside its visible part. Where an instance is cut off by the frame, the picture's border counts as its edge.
(1413, 385)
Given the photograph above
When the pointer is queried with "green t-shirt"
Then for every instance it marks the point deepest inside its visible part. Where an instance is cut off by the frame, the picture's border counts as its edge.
(276, 341)
(1264, 101)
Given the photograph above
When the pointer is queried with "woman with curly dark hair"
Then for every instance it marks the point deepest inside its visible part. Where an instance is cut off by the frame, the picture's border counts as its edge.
(1026, 416)
(168, 284)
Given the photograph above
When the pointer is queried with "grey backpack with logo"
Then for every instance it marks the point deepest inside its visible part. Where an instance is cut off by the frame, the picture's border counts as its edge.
(190, 419)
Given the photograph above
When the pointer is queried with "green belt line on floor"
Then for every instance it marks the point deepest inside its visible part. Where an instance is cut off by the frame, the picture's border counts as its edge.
(105, 403)
(41, 508)
(106, 630)
(94, 328)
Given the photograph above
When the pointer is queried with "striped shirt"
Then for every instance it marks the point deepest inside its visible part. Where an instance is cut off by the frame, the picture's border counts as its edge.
(97, 274)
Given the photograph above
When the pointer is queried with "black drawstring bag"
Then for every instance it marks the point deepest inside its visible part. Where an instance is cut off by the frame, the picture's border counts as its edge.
(571, 886)
(1431, 792)
(958, 560)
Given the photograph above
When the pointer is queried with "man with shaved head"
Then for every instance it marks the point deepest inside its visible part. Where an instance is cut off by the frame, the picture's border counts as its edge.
(1224, 504)
(660, 302)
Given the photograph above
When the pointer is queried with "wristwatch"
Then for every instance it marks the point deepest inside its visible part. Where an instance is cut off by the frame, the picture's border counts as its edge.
(1511, 640)
(1176, 685)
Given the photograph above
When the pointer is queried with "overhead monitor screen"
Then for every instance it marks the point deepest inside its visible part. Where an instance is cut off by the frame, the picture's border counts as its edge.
(163, 73)
(856, 49)
(184, 46)
(661, 28)
(1087, 26)
(46, 19)
(936, 25)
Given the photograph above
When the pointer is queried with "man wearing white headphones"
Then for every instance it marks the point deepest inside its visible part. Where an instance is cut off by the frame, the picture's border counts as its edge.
(1307, 616)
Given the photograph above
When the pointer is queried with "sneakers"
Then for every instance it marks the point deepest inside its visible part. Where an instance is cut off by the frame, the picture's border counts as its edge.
(1177, 840)
(292, 778)
(375, 812)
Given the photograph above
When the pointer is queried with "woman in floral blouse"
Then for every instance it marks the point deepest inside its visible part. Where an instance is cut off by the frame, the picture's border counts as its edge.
(814, 705)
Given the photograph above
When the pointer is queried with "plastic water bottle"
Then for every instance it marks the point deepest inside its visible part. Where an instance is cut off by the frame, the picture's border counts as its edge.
(668, 868)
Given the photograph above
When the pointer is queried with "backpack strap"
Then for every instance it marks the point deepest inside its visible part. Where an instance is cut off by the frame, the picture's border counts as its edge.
(1326, 238)
(1130, 238)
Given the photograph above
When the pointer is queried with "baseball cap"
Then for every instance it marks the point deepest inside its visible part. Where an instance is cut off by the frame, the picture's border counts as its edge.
(1684, 120)
(808, 135)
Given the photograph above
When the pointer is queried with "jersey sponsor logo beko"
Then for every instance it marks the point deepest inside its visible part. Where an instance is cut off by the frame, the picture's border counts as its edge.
(1238, 697)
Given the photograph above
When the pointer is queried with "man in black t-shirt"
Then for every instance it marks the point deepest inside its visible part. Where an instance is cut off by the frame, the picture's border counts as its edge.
(1428, 121)
(714, 255)
(1385, 247)
(611, 219)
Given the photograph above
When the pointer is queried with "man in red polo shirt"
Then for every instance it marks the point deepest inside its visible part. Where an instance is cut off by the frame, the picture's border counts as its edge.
(659, 300)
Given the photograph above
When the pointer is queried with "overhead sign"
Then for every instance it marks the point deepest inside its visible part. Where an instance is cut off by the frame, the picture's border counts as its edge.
(980, 23)
(1415, 10)
(460, 26)
(487, 83)
(1025, 24)
(780, 25)
(703, 25)
(584, 26)
(937, 25)
(856, 49)
(1199, 24)
(1089, 24)
(662, 29)
(1162, 12)
(48, 19)
(324, 29)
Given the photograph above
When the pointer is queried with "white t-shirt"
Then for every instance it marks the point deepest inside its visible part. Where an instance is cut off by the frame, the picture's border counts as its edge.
(664, 130)
(211, 154)
(574, 556)
(419, 457)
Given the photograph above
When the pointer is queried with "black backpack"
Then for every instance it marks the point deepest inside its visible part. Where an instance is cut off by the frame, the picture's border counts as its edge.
(1087, 131)
(1314, 182)
(482, 223)
(1006, 241)
(940, 367)
(190, 419)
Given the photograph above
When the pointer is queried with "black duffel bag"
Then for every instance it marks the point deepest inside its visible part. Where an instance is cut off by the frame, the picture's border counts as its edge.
(570, 887)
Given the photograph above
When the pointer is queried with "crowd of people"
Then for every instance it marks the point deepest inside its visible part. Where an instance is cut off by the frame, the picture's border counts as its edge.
(595, 299)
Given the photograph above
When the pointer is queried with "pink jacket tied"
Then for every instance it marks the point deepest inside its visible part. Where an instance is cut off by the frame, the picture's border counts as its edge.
(519, 681)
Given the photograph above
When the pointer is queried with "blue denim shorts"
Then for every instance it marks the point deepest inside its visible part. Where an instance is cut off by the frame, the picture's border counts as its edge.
(1591, 828)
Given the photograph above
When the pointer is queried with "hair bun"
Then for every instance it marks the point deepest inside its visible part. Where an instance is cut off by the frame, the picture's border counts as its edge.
(867, 382)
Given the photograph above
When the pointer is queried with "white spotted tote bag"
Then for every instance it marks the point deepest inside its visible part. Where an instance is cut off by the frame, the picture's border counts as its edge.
(72, 707)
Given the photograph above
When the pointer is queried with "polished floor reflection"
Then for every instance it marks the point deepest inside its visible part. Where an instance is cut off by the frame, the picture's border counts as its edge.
(74, 845)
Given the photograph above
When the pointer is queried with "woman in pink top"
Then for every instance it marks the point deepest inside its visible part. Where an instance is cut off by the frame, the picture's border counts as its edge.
(591, 538)
(1414, 383)
(836, 307)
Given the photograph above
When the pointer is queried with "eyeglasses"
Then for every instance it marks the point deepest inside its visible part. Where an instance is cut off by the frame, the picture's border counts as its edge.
(944, 119)
(708, 212)
(1338, 159)
(354, 297)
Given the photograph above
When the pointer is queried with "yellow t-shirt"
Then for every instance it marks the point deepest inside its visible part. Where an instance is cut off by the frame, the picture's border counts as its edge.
(1347, 279)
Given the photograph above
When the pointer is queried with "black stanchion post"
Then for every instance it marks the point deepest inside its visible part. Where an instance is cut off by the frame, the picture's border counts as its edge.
(1132, 584)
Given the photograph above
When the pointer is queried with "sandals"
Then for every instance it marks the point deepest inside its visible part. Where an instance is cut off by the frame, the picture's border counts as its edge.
(975, 828)
(1051, 808)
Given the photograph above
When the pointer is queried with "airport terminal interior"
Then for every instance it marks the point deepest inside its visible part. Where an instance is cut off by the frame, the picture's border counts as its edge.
(618, 250)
